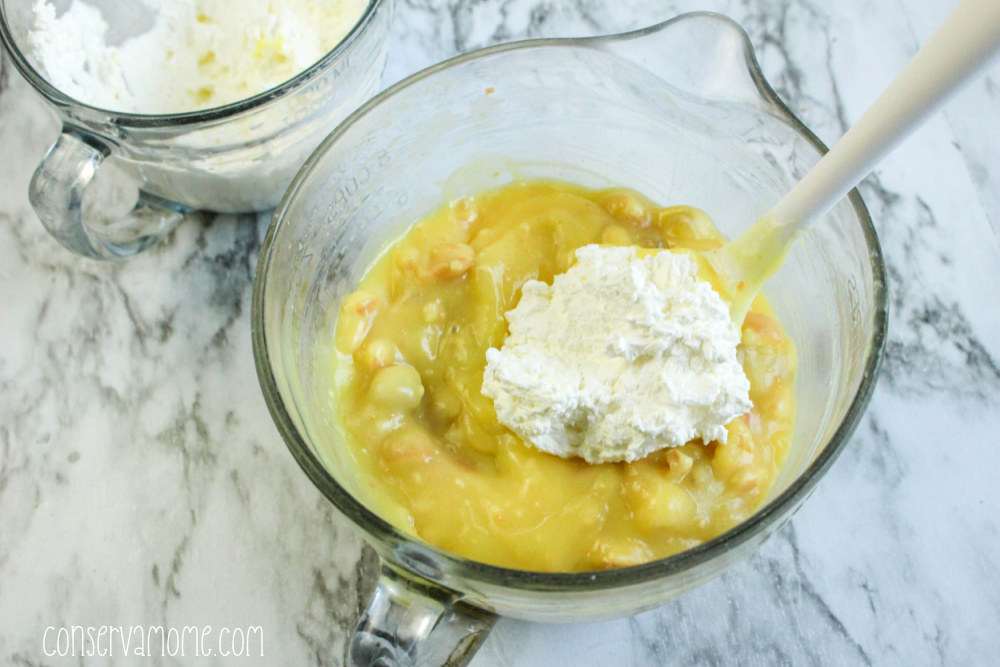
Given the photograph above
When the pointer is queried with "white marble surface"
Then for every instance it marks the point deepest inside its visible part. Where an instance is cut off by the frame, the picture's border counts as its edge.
(143, 483)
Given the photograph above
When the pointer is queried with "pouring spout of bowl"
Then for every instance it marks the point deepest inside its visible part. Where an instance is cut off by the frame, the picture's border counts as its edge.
(703, 54)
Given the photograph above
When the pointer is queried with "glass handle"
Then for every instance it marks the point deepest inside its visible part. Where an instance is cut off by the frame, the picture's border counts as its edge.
(408, 623)
(57, 192)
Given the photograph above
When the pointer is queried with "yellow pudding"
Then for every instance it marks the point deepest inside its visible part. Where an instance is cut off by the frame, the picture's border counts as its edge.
(410, 351)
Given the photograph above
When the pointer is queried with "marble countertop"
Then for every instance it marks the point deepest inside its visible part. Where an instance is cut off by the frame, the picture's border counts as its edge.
(143, 483)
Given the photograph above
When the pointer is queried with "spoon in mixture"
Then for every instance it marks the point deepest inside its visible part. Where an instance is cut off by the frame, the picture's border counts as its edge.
(962, 46)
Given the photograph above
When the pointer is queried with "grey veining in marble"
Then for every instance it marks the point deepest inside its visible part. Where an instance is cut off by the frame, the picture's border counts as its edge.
(143, 483)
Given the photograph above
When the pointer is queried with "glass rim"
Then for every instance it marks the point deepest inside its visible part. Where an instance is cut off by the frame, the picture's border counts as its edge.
(138, 120)
(459, 568)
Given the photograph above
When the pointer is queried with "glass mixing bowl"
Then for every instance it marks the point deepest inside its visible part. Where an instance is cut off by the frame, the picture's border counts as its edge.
(679, 112)
(115, 183)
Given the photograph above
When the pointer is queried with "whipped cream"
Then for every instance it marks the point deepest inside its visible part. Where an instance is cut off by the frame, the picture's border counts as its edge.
(620, 357)
(197, 54)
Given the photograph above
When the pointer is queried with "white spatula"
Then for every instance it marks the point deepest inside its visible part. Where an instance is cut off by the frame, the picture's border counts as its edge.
(959, 49)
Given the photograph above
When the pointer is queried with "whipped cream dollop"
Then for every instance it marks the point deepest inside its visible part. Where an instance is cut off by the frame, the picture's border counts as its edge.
(621, 356)
(197, 54)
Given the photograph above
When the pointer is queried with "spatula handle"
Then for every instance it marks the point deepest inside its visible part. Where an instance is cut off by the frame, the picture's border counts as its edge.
(960, 48)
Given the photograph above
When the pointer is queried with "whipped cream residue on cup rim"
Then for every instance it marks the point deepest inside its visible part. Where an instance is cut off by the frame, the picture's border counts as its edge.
(198, 54)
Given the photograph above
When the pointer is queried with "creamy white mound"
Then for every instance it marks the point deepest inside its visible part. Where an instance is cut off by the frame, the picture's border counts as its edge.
(620, 357)
(198, 53)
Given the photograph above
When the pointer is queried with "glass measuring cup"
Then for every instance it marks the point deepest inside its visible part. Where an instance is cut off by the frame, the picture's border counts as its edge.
(115, 183)
(679, 112)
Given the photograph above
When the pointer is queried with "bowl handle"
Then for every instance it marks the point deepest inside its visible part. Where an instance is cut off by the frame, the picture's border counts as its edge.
(412, 623)
(57, 192)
